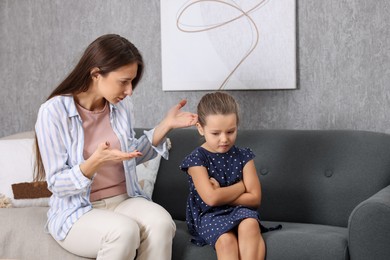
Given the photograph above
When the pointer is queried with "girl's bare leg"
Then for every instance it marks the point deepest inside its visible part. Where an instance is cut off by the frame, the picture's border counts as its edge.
(227, 246)
(250, 241)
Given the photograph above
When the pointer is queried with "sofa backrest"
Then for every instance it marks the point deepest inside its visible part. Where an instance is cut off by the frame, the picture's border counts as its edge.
(307, 176)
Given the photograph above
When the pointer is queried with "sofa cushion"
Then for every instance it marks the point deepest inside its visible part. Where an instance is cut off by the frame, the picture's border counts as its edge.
(318, 176)
(294, 242)
(23, 236)
(171, 187)
(307, 176)
(147, 172)
(18, 164)
(18, 170)
(184, 249)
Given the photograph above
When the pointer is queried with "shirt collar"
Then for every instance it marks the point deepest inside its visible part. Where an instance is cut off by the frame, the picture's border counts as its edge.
(72, 109)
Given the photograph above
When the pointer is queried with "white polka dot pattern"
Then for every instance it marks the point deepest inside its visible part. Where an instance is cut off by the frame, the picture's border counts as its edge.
(207, 223)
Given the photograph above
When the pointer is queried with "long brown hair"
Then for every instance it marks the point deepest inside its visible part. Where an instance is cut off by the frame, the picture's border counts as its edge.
(107, 53)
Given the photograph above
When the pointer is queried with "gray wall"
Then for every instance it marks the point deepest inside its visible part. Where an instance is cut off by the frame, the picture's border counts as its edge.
(343, 61)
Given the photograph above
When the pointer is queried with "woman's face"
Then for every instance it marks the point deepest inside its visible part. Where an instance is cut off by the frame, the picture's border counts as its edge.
(117, 84)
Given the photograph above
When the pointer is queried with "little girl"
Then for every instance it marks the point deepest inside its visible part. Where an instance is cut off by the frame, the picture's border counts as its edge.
(224, 187)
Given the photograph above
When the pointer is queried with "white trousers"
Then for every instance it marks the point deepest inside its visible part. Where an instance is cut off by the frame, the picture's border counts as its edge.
(122, 228)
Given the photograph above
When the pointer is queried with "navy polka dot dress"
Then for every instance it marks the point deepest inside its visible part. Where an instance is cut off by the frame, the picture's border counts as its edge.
(207, 223)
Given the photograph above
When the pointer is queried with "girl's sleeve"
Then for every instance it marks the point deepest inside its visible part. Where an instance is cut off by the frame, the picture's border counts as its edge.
(246, 155)
(62, 179)
(191, 160)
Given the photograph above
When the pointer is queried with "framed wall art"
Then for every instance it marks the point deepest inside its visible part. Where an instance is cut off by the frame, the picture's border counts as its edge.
(226, 44)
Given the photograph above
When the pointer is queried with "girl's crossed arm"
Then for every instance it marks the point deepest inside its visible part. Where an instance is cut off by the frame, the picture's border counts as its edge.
(210, 194)
(252, 196)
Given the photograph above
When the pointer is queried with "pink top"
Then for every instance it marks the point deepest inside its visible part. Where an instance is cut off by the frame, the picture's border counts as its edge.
(110, 178)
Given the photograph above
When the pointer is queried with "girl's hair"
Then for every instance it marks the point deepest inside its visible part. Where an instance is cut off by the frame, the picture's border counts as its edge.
(107, 53)
(217, 103)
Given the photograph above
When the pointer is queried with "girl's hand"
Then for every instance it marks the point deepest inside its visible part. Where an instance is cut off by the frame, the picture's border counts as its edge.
(104, 154)
(252, 196)
(214, 183)
(209, 190)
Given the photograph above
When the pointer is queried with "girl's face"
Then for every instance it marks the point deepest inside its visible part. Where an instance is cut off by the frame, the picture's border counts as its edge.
(117, 84)
(220, 132)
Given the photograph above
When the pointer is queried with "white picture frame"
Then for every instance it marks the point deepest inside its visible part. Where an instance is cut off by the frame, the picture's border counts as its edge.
(226, 44)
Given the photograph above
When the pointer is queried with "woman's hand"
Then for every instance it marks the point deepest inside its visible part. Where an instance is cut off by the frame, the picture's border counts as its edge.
(175, 118)
(104, 154)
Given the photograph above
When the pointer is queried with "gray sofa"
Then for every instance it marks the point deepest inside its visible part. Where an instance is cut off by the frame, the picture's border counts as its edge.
(330, 190)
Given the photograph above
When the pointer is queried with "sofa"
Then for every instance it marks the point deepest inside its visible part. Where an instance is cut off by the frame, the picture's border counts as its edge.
(329, 189)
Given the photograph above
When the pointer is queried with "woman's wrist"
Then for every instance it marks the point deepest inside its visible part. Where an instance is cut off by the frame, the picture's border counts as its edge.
(84, 170)
(160, 131)
(89, 167)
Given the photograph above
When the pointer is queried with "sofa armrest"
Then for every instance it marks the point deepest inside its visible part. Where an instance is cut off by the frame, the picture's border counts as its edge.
(369, 228)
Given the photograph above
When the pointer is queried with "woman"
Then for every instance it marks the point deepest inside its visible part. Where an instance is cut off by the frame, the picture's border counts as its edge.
(88, 153)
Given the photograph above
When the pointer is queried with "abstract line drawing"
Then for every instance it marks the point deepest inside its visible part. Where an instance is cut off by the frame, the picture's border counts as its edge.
(182, 27)
(232, 45)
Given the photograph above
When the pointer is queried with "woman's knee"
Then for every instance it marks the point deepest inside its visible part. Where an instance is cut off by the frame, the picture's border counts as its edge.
(125, 230)
(160, 223)
(121, 241)
(101, 232)
(163, 226)
(153, 219)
